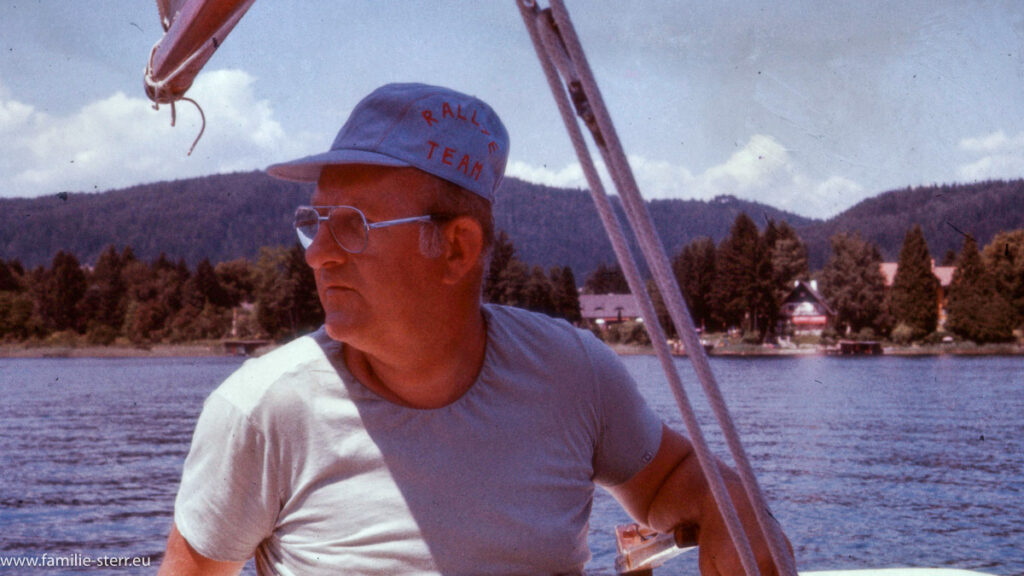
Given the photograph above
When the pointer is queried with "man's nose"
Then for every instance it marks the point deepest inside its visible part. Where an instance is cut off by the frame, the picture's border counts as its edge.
(324, 250)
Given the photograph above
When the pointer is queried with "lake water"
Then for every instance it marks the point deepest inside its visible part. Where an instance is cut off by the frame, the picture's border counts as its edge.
(867, 462)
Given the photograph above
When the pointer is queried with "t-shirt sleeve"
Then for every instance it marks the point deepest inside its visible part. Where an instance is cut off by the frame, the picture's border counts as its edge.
(227, 502)
(629, 433)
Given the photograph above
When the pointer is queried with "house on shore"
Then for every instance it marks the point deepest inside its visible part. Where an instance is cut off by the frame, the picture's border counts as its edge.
(606, 309)
(804, 310)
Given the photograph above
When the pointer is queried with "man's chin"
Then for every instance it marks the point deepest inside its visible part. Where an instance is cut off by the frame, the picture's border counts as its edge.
(339, 326)
(336, 332)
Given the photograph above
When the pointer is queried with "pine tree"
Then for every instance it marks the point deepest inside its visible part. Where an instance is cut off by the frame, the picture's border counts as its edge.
(105, 298)
(538, 292)
(767, 296)
(1004, 258)
(661, 309)
(62, 287)
(273, 292)
(606, 279)
(696, 271)
(236, 278)
(565, 294)
(144, 315)
(8, 280)
(915, 290)
(502, 255)
(789, 260)
(510, 289)
(171, 281)
(975, 310)
(737, 293)
(203, 312)
(286, 297)
(308, 314)
(15, 304)
(16, 316)
(208, 285)
(853, 284)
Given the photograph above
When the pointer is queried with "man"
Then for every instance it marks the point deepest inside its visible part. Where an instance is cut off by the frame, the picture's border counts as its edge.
(420, 431)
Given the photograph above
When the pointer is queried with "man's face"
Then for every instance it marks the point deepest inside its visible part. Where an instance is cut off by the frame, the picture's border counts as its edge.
(382, 292)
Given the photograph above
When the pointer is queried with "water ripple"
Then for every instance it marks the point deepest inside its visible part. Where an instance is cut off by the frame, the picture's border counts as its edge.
(867, 463)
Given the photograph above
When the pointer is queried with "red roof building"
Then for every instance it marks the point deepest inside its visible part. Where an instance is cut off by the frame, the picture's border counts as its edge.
(609, 308)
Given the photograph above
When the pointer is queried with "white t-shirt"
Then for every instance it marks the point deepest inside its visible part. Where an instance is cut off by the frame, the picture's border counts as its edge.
(293, 460)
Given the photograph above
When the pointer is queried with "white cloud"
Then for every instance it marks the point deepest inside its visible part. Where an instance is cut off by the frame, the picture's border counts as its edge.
(121, 140)
(570, 176)
(995, 156)
(661, 179)
(763, 170)
(995, 142)
(762, 165)
(13, 115)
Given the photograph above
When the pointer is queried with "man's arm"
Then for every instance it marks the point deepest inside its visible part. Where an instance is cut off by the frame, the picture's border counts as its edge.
(671, 494)
(182, 560)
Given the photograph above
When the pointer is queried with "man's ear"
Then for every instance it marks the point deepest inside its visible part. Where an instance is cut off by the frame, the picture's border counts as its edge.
(464, 243)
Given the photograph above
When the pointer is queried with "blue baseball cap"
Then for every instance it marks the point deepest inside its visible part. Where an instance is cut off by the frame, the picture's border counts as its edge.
(451, 135)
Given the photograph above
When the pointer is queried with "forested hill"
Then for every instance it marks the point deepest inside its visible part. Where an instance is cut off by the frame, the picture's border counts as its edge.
(224, 217)
(220, 217)
(555, 226)
(945, 213)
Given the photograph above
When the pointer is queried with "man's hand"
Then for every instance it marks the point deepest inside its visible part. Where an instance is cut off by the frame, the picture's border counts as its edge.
(717, 554)
(671, 495)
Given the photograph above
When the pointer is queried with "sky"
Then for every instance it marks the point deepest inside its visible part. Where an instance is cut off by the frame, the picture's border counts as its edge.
(807, 106)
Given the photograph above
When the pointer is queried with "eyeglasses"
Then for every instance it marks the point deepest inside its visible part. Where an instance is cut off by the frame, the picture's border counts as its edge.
(347, 224)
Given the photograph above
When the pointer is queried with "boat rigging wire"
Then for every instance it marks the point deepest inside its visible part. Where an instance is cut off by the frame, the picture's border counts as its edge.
(560, 52)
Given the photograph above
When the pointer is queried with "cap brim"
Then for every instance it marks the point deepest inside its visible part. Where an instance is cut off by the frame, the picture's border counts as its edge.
(308, 169)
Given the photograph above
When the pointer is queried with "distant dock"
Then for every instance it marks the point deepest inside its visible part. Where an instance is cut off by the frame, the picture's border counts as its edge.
(857, 348)
(243, 347)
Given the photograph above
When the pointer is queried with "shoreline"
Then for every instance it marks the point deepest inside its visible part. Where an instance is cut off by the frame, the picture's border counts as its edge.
(216, 349)
(902, 351)
(194, 350)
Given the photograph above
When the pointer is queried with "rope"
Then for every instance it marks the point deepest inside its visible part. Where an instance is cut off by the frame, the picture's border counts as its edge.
(155, 90)
(560, 48)
(202, 126)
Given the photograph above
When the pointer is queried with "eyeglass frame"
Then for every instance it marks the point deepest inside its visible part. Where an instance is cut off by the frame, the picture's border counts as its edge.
(367, 225)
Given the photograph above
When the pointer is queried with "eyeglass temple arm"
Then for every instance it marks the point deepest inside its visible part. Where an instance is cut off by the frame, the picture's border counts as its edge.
(385, 224)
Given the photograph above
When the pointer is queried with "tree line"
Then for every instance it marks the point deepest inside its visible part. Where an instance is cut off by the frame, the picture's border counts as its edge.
(741, 282)
(983, 303)
(738, 283)
(165, 301)
(162, 301)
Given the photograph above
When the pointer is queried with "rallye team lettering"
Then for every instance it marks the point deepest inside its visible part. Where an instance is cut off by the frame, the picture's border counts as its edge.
(446, 154)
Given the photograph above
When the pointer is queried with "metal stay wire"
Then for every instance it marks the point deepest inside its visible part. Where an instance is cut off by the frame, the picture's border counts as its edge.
(549, 53)
(560, 48)
(654, 252)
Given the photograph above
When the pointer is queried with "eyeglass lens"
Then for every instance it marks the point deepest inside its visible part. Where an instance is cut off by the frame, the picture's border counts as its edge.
(346, 224)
